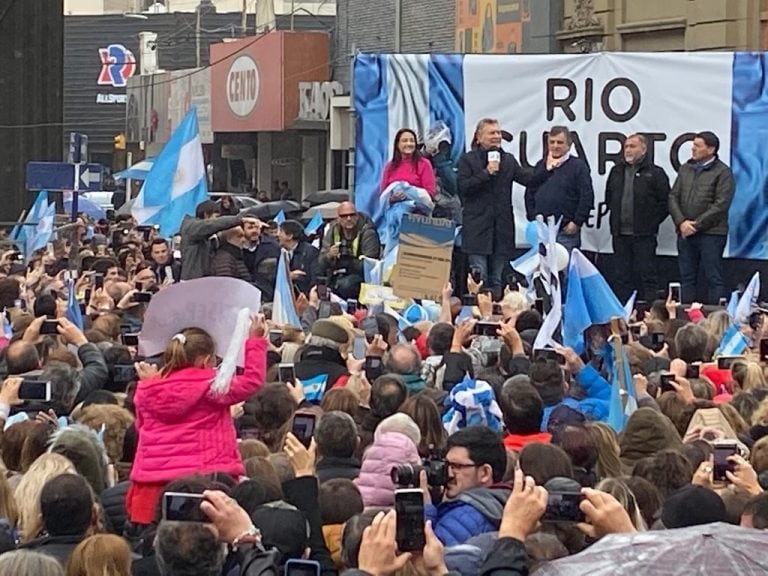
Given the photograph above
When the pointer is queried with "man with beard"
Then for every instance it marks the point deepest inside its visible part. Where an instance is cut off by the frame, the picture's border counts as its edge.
(228, 259)
(260, 254)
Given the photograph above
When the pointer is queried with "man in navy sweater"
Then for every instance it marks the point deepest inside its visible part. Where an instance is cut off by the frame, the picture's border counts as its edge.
(566, 192)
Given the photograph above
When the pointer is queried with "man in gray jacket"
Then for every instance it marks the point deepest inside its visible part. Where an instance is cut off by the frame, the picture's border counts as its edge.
(195, 237)
(699, 203)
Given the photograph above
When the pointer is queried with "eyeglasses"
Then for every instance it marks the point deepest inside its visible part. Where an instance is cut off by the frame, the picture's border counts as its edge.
(456, 466)
(347, 215)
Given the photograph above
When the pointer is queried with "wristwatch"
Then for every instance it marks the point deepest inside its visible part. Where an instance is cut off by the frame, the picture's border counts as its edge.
(250, 536)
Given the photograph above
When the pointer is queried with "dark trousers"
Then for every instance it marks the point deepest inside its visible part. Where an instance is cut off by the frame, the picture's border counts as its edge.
(634, 260)
(703, 251)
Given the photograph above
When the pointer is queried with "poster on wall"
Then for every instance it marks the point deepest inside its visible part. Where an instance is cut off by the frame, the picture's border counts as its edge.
(491, 26)
(602, 98)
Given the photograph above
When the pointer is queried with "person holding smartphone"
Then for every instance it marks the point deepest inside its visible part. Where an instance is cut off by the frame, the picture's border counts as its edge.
(485, 177)
(184, 424)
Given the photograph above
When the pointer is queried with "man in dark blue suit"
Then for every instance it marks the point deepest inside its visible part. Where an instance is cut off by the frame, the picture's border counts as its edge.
(303, 257)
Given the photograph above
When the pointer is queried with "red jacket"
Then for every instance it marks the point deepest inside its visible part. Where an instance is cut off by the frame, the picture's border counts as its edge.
(183, 429)
(516, 442)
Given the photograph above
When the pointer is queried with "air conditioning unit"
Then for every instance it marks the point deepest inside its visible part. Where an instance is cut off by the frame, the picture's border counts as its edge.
(148, 53)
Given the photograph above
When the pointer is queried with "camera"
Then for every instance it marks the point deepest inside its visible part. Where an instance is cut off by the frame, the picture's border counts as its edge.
(345, 251)
(408, 474)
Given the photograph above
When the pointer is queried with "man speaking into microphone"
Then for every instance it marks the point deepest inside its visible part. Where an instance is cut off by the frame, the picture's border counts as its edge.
(485, 177)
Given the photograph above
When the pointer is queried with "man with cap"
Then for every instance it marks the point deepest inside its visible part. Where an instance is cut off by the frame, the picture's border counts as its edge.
(351, 237)
(321, 362)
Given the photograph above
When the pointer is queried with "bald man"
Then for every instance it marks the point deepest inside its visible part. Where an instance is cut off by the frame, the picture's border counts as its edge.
(351, 236)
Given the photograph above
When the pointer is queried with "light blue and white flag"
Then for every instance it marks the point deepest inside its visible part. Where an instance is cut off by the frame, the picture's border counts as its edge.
(74, 313)
(377, 271)
(589, 300)
(177, 182)
(7, 328)
(314, 224)
(550, 281)
(21, 231)
(138, 171)
(38, 236)
(283, 306)
(748, 301)
(623, 400)
(734, 343)
(280, 218)
(314, 388)
(629, 307)
(732, 304)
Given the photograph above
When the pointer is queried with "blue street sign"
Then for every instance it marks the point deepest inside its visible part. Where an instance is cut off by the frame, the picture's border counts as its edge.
(62, 176)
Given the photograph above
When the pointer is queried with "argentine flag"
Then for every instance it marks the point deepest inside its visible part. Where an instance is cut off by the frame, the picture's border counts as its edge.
(138, 171)
(589, 300)
(40, 235)
(748, 301)
(283, 306)
(177, 182)
(24, 230)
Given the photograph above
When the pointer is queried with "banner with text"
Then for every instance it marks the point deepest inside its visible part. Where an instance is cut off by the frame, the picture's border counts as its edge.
(602, 98)
(424, 257)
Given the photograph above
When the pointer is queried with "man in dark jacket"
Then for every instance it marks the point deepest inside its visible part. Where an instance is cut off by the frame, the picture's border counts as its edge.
(228, 259)
(302, 256)
(348, 239)
(566, 189)
(485, 176)
(476, 462)
(699, 204)
(320, 364)
(195, 238)
(163, 264)
(260, 255)
(67, 507)
(336, 439)
(637, 194)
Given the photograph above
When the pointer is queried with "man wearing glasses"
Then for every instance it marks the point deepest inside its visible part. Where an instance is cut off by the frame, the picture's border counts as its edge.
(474, 498)
(349, 238)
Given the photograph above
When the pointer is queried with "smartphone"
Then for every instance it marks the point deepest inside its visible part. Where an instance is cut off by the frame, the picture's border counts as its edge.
(304, 428)
(286, 373)
(88, 293)
(373, 368)
(409, 508)
(35, 390)
(496, 310)
(674, 292)
(169, 273)
(359, 347)
(657, 341)
(124, 373)
(666, 380)
(181, 507)
(692, 371)
(564, 507)
(469, 300)
(142, 297)
(725, 362)
(20, 303)
(130, 339)
(322, 288)
(276, 338)
(351, 306)
(476, 274)
(538, 305)
(50, 327)
(721, 452)
(302, 568)
(641, 309)
(324, 311)
(635, 329)
(486, 329)
(98, 281)
(763, 349)
(548, 354)
(722, 302)
(371, 328)
(494, 156)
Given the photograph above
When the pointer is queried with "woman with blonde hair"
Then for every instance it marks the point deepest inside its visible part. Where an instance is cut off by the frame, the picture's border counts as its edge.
(27, 494)
(619, 490)
(28, 563)
(748, 376)
(100, 555)
(8, 509)
(608, 450)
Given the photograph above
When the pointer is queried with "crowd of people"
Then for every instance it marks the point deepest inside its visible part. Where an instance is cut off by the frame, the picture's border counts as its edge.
(306, 460)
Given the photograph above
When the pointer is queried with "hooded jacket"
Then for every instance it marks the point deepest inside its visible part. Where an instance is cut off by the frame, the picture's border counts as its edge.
(646, 433)
(185, 429)
(317, 361)
(387, 451)
(471, 513)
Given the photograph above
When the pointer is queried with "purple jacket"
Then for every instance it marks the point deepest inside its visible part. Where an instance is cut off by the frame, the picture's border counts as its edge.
(387, 451)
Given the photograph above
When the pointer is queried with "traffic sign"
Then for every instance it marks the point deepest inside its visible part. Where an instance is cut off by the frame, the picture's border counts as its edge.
(78, 148)
(63, 176)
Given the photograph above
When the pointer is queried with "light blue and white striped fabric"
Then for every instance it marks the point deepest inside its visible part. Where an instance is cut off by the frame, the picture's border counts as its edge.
(38, 236)
(283, 306)
(589, 300)
(402, 91)
(138, 171)
(748, 301)
(734, 343)
(177, 182)
(629, 307)
(20, 232)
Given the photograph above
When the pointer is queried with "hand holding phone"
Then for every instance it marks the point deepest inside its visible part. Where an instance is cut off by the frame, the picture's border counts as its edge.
(675, 292)
(564, 507)
(409, 509)
(286, 373)
(304, 428)
(721, 452)
(183, 507)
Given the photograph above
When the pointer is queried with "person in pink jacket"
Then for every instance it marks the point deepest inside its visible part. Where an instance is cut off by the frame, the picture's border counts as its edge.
(408, 165)
(184, 426)
(387, 451)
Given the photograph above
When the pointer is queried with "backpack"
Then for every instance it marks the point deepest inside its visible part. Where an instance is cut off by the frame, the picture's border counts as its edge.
(260, 562)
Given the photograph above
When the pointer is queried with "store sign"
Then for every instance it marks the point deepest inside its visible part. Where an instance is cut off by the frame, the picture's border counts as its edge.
(243, 84)
(117, 65)
(315, 99)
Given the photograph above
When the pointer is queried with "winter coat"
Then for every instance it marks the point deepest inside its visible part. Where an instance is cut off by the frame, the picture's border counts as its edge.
(507, 558)
(184, 428)
(195, 243)
(94, 374)
(420, 175)
(332, 467)
(366, 242)
(58, 547)
(261, 262)
(489, 224)
(595, 406)
(113, 502)
(387, 451)
(565, 192)
(228, 262)
(317, 361)
(472, 512)
(650, 197)
(646, 433)
(703, 195)
(305, 258)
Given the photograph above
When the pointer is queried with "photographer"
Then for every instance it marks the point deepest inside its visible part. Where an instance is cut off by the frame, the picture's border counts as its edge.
(346, 241)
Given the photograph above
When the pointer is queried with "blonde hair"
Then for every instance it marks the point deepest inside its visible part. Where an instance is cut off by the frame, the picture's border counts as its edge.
(619, 490)
(187, 349)
(27, 494)
(100, 555)
(8, 507)
(608, 450)
(717, 324)
(517, 301)
(748, 375)
(29, 563)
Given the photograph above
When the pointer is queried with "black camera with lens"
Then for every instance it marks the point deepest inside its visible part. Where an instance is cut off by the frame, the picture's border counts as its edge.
(405, 475)
(345, 250)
